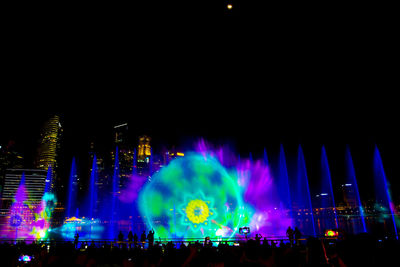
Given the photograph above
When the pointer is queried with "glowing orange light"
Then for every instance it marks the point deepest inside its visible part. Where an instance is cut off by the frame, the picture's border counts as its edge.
(331, 233)
(229, 6)
(73, 219)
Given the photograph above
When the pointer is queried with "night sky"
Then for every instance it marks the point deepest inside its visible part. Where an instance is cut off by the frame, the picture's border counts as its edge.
(324, 75)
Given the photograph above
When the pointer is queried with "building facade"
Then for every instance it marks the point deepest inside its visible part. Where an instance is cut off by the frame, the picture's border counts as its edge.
(35, 182)
(9, 159)
(144, 161)
(126, 154)
(48, 146)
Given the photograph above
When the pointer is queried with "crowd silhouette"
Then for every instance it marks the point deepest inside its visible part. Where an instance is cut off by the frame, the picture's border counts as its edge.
(358, 250)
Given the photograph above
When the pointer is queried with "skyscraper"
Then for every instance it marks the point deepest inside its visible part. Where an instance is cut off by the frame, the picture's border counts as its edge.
(144, 148)
(143, 155)
(125, 153)
(48, 145)
(102, 173)
(349, 195)
(9, 159)
(121, 135)
(35, 181)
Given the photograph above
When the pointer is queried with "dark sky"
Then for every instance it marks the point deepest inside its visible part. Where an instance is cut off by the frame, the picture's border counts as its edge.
(258, 77)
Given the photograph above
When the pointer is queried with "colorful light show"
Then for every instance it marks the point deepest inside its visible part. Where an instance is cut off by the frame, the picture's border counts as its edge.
(29, 220)
(267, 212)
(21, 215)
(43, 216)
(197, 196)
(87, 229)
(193, 197)
(203, 193)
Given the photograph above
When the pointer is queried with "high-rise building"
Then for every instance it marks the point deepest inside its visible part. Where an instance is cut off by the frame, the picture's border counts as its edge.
(35, 181)
(9, 159)
(125, 153)
(102, 173)
(349, 195)
(25, 199)
(171, 155)
(144, 149)
(143, 155)
(48, 146)
(121, 135)
(125, 164)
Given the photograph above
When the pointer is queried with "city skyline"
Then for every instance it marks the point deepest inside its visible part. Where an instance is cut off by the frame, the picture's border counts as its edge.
(316, 80)
(104, 144)
(228, 121)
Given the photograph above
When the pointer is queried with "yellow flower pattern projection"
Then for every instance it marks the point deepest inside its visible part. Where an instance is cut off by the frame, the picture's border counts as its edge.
(197, 211)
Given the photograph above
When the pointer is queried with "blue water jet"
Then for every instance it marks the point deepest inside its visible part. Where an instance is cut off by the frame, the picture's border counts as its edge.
(302, 206)
(265, 158)
(133, 176)
(151, 162)
(49, 179)
(383, 196)
(351, 182)
(134, 162)
(93, 188)
(283, 181)
(325, 197)
(115, 190)
(72, 190)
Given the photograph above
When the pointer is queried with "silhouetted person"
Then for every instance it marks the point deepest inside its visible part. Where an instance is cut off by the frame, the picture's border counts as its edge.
(120, 236)
(297, 235)
(135, 239)
(143, 238)
(207, 242)
(76, 240)
(258, 239)
(290, 234)
(150, 237)
(130, 238)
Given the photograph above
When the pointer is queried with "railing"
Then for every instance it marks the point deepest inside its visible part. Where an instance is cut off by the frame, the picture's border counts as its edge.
(84, 244)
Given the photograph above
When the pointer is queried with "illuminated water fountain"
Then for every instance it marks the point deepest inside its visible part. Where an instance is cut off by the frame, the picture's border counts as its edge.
(21, 216)
(384, 201)
(49, 179)
(193, 197)
(72, 191)
(93, 189)
(325, 200)
(211, 193)
(265, 158)
(208, 192)
(283, 183)
(301, 198)
(351, 183)
(114, 198)
(28, 220)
